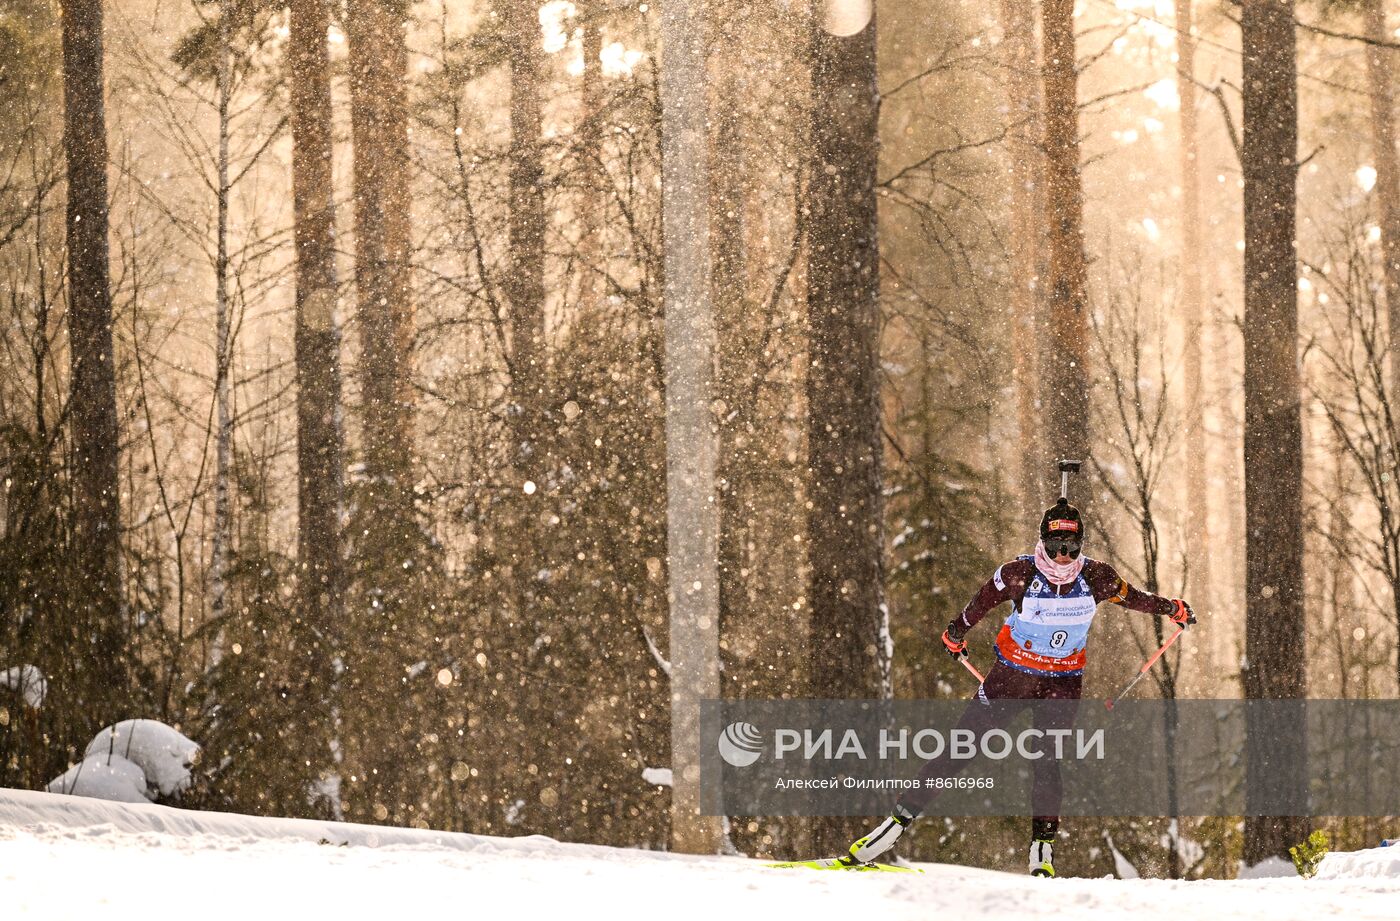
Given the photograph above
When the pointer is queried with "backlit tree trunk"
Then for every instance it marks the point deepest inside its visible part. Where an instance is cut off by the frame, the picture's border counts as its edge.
(844, 531)
(223, 365)
(98, 626)
(525, 284)
(594, 199)
(388, 544)
(320, 438)
(1064, 373)
(1026, 172)
(1380, 78)
(692, 515)
(1273, 451)
(1197, 513)
(379, 122)
(733, 309)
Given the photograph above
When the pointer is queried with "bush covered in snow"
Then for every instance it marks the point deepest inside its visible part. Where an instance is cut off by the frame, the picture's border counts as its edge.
(109, 777)
(132, 761)
(28, 682)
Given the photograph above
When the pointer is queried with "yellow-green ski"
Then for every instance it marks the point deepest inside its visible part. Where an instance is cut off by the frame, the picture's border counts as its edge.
(836, 863)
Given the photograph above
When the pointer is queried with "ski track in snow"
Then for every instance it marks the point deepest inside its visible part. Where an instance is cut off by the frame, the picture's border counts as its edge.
(70, 858)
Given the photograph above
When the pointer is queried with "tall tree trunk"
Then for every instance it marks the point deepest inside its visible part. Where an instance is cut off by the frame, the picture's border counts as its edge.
(525, 286)
(1198, 550)
(320, 438)
(692, 520)
(1379, 77)
(1273, 450)
(378, 705)
(1026, 172)
(728, 182)
(379, 122)
(1380, 60)
(1064, 369)
(223, 365)
(99, 628)
(843, 386)
(593, 202)
(844, 529)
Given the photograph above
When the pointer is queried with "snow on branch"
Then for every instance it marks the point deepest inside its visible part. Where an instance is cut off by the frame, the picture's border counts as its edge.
(28, 681)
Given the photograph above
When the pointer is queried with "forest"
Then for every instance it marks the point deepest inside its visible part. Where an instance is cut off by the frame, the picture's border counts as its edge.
(423, 404)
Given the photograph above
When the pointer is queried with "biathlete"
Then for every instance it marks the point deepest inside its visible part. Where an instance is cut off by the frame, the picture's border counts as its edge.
(1054, 594)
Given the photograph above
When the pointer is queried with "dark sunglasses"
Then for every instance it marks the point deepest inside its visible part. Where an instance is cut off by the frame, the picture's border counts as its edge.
(1054, 548)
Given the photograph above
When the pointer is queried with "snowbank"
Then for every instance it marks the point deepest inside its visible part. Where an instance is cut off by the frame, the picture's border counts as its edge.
(65, 857)
(1382, 862)
(27, 809)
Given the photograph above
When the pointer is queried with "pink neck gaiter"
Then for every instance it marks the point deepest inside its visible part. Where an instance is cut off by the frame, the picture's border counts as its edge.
(1057, 573)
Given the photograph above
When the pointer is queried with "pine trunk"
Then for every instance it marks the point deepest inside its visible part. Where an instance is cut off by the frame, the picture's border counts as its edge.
(844, 530)
(1026, 172)
(525, 286)
(1273, 452)
(320, 438)
(98, 627)
(732, 311)
(1197, 514)
(594, 198)
(692, 520)
(379, 123)
(1064, 369)
(1379, 77)
(843, 383)
(387, 616)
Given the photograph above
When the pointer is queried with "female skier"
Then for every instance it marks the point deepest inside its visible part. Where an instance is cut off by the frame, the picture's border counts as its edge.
(1054, 594)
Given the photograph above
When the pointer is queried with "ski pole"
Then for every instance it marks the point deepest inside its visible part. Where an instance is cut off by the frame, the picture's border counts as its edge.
(967, 664)
(1145, 666)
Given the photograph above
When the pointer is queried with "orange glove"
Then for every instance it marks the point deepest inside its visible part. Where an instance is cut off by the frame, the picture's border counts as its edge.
(1183, 614)
(956, 648)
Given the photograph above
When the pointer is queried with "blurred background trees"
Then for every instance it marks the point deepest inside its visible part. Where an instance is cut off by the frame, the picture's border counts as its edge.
(431, 388)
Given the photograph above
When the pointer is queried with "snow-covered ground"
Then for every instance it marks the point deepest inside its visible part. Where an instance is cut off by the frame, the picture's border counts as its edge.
(65, 857)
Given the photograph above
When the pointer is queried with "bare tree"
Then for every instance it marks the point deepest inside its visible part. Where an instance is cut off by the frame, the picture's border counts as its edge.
(36, 565)
(1360, 410)
(1144, 425)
